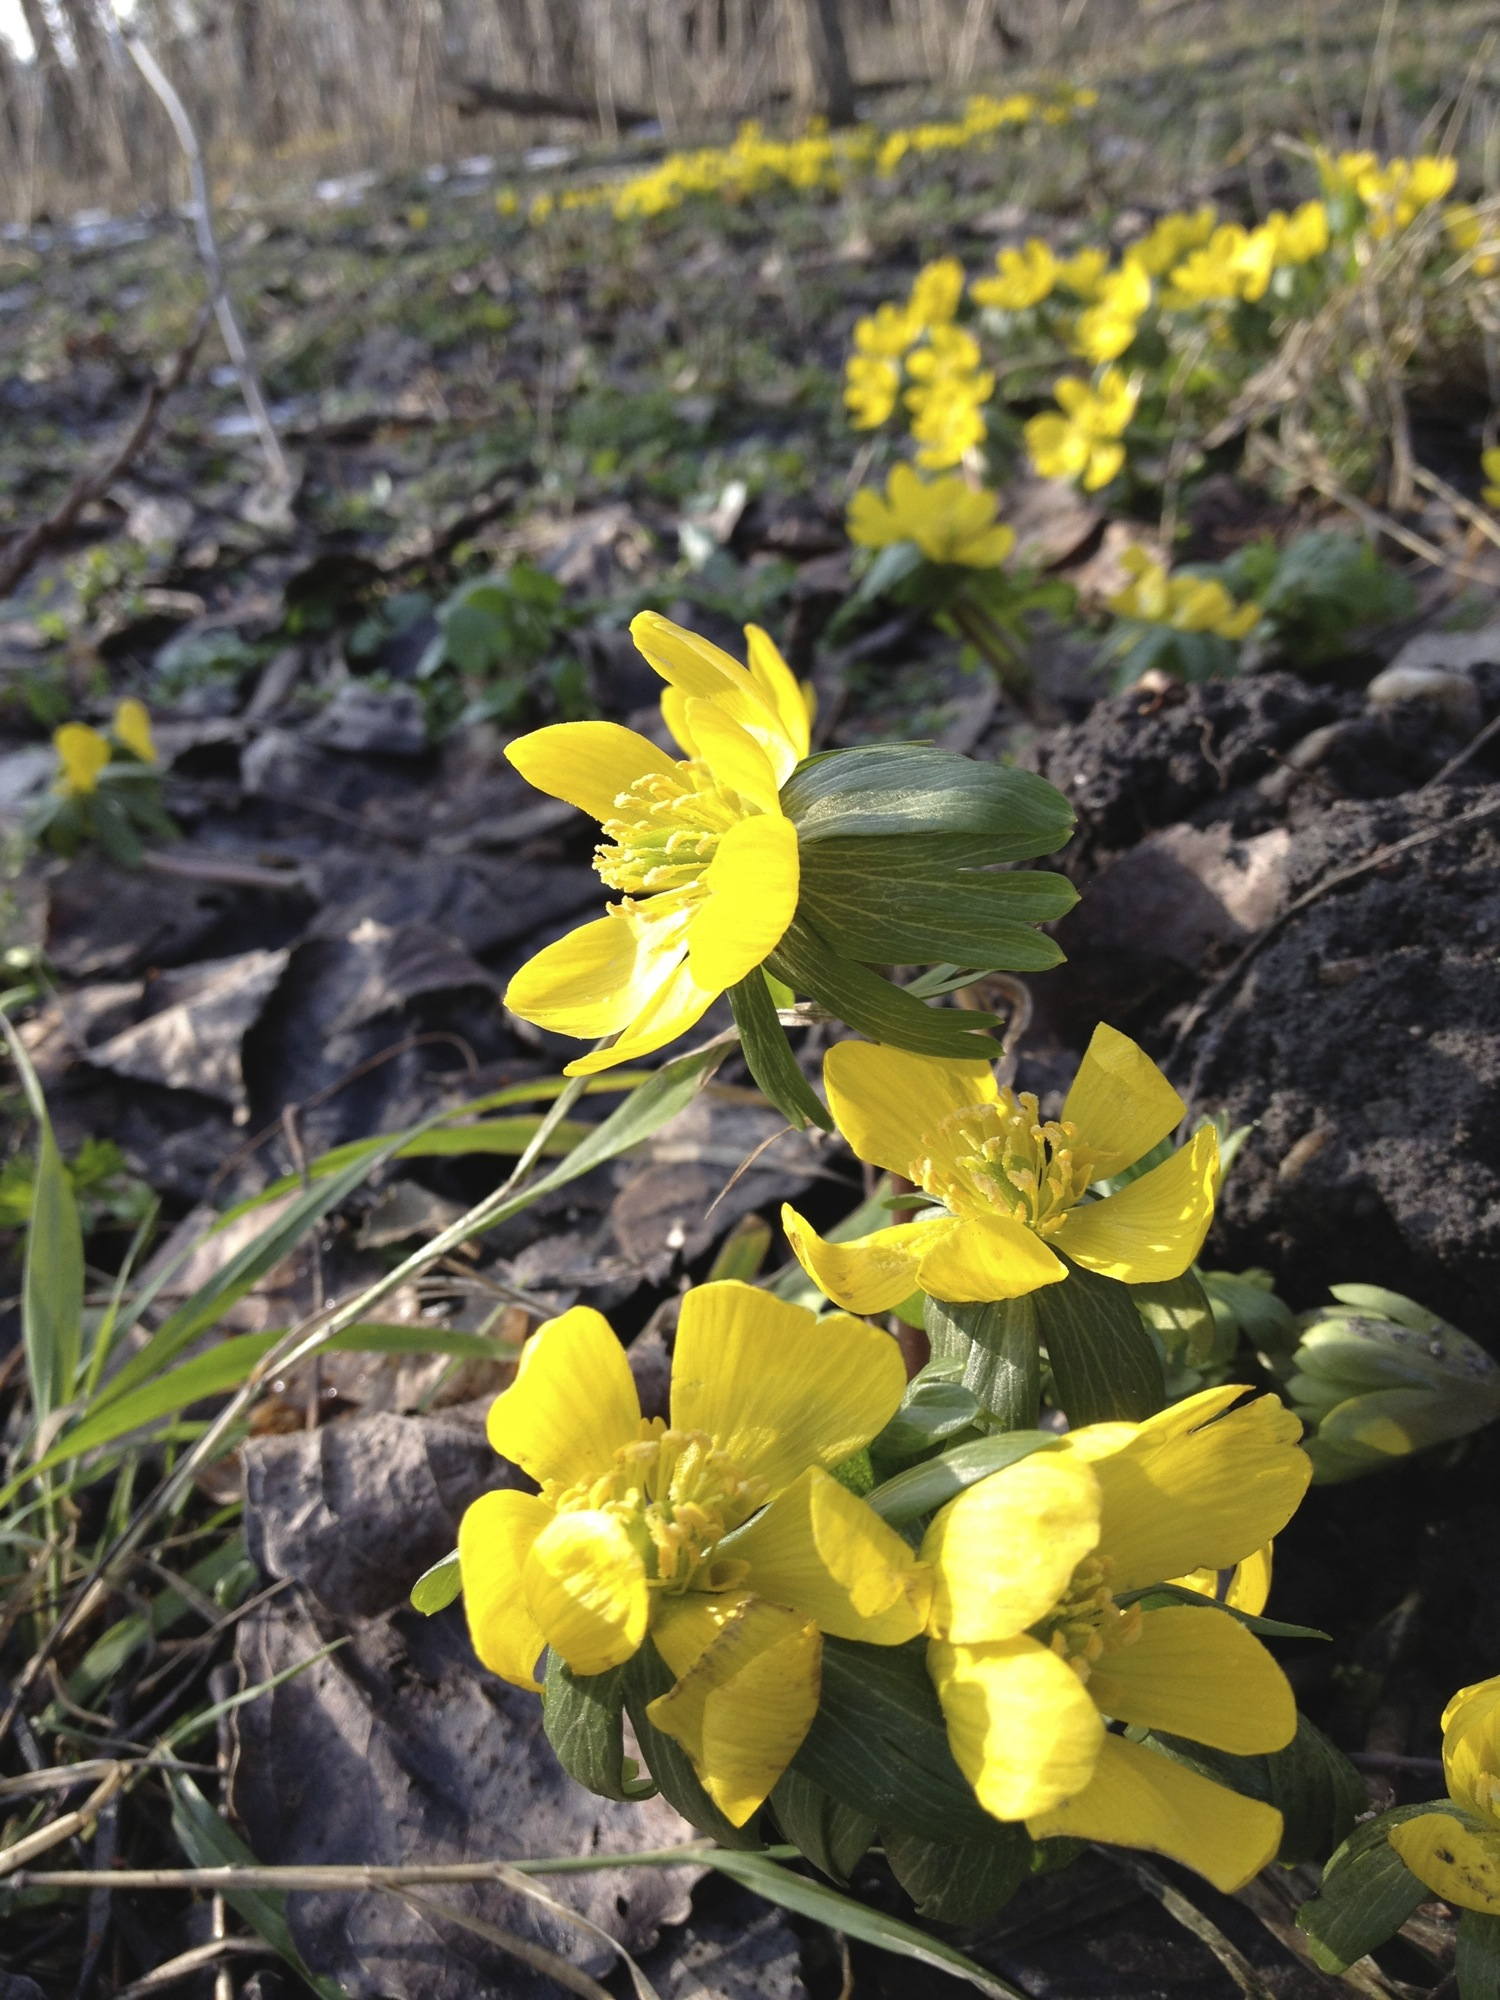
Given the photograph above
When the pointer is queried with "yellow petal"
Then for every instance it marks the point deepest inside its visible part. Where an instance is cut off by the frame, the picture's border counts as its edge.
(675, 1005)
(776, 1389)
(1139, 1798)
(1199, 1674)
(83, 754)
(597, 979)
(1181, 1492)
(1471, 1748)
(494, 1540)
(866, 1274)
(988, 1257)
(133, 728)
(1120, 1101)
(586, 763)
(829, 1556)
(734, 756)
(1020, 1723)
(778, 684)
(885, 1101)
(1248, 1584)
(674, 713)
(1004, 1551)
(573, 1403)
(700, 668)
(751, 886)
(1154, 1226)
(1461, 1866)
(585, 1585)
(744, 1706)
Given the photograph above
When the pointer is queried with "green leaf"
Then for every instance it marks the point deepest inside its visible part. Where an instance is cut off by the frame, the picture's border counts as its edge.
(646, 1676)
(1311, 1783)
(1477, 1961)
(1179, 1314)
(208, 1842)
(923, 1488)
(1367, 1895)
(879, 1744)
(768, 1055)
(996, 1345)
(832, 1836)
(237, 1275)
(856, 1920)
(912, 788)
(52, 1283)
(885, 901)
(436, 1588)
(966, 1884)
(1105, 1365)
(584, 1717)
(225, 1367)
(934, 1408)
(872, 1006)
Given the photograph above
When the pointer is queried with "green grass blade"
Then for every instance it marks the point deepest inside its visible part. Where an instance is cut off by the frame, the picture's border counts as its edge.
(52, 1286)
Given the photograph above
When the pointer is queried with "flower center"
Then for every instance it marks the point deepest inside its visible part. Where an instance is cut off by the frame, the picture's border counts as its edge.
(1003, 1156)
(678, 1495)
(1086, 1623)
(665, 828)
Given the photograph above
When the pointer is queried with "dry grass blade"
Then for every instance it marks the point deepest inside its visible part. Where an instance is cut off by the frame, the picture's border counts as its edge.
(1182, 1910)
(64, 1826)
(186, 1963)
(537, 1956)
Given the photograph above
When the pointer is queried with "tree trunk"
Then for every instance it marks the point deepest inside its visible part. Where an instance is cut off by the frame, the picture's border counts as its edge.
(820, 60)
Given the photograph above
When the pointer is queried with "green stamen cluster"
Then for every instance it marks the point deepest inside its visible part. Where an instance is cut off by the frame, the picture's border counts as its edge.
(1087, 1623)
(679, 1495)
(665, 830)
(1004, 1156)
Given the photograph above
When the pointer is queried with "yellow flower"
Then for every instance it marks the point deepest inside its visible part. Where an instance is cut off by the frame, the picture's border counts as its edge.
(1466, 229)
(1082, 273)
(1011, 1187)
(1490, 464)
(936, 291)
(1187, 603)
(721, 1533)
(1082, 440)
(704, 857)
(83, 753)
(1033, 1653)
(1022, 278)
(1457, 1854)
(888, 331)
(1395, 194)
(1235, 263)
(1302, 235)
(949, 520)
(871, 384)
(1171, 238)
(1107, 328)
(948, 418)
(132, 727)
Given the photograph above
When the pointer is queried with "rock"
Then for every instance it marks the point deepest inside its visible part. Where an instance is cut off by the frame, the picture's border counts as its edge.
(1446, 689)
(388, 722)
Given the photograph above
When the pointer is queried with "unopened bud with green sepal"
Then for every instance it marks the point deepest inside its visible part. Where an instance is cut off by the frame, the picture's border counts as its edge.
(1377, 1376)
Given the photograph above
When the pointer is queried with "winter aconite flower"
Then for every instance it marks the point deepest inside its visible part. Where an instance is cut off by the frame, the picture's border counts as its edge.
(82, 754)
(1183, 602)
(1045, 1629)
(947, 519)
(1082, 439)
(720, 1533)
(703, 857)
(132, 726)
(1456, 1852)
(1008, 1192)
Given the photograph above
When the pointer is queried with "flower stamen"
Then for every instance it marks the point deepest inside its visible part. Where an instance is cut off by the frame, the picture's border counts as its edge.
(665, 828)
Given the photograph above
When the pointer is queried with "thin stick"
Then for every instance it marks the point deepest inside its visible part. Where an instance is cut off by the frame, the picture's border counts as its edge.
(18, 559)
(328, 1876)
(208, 255)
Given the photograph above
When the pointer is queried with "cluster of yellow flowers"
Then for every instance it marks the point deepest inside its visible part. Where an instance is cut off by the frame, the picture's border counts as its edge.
(816, 161)
(1192, 267)
(942, 361)
(1186, 603)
